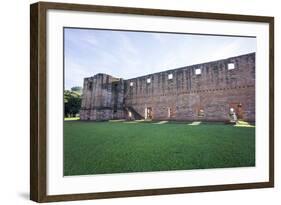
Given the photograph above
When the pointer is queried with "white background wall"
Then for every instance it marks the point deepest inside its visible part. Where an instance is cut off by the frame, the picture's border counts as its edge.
(14, 101)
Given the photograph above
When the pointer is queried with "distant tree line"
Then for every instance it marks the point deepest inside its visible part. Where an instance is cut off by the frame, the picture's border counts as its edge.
(72, 101)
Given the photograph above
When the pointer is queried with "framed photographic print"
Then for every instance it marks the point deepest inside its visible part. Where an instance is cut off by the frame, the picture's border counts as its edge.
(133, 102)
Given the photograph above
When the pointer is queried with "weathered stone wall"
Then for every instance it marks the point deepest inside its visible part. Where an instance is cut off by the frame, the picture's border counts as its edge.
(186, 96)
(102, 98)
(214, 91)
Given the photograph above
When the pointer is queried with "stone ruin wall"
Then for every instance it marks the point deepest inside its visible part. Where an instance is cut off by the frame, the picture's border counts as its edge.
(102, 98)
(183, 97)
(214, 91)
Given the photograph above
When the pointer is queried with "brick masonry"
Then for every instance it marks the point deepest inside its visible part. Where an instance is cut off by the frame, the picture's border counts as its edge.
(206, 96)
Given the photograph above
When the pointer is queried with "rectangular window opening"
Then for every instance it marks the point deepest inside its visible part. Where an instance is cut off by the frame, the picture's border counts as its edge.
(170, 76)
(198, 71)
(231, 66)
(90, 85)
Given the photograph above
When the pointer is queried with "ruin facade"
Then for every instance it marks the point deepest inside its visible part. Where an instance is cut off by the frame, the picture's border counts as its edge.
(202, 92)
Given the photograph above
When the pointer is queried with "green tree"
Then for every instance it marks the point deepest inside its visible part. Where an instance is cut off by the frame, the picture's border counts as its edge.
(72, 102)
(77, 89)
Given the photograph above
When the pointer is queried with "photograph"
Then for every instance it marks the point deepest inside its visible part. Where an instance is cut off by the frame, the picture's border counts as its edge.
(149, 101)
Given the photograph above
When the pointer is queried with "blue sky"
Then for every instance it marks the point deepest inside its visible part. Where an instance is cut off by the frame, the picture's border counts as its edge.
(129, 54)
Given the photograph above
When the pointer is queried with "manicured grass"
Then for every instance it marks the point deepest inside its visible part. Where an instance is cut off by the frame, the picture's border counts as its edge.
(119, 147)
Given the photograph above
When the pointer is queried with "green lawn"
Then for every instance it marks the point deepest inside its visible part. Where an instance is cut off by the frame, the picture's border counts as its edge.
(118, 147)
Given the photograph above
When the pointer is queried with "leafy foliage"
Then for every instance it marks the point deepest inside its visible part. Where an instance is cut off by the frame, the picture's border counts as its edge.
(77, 89)
(72, 101)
